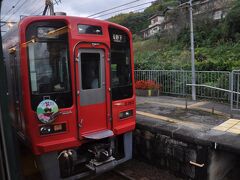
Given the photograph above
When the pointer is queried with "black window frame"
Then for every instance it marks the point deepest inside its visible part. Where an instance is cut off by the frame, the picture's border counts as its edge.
(88, 86)
(89, 26)
(126, 91)
(31, 33)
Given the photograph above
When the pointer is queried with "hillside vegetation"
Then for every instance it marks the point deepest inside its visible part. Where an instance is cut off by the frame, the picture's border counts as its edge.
(217, 43)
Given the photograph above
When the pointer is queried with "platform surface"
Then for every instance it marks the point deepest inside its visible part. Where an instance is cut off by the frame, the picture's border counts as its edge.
(197, 123)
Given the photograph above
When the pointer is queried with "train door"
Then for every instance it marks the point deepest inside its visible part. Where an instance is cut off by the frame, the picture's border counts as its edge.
(92, 100)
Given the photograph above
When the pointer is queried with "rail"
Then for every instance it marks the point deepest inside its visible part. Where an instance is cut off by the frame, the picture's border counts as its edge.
(211, 87)
(232, 92)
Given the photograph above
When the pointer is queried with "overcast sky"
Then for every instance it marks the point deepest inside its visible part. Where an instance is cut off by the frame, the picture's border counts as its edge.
(89, 7)
(13, 9)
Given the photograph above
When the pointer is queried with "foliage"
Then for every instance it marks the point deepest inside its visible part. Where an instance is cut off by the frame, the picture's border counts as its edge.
(219, 57)
(217, 43)
(232, 22)
(134, 21)
(139, 20)
(147, 85)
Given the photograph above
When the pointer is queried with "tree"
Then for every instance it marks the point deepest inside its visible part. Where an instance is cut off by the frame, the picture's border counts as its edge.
(232, 21)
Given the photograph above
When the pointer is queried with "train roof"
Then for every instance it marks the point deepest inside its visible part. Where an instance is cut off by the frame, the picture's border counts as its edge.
(71, 20)
(11, 37)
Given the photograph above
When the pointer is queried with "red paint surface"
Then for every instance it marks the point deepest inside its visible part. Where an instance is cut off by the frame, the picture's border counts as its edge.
(94, 118)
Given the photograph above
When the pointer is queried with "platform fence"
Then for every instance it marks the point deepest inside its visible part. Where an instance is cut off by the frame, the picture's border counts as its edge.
(235, 86)
(174, 82)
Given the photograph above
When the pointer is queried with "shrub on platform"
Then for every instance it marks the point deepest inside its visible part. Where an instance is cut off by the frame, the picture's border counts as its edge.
(147, 88)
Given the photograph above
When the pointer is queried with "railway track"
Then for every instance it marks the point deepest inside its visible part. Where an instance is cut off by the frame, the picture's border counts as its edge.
(114, 174)
(134, 170)
(122, 174)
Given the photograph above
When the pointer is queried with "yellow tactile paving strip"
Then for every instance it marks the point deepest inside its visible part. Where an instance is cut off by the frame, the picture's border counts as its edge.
(198, 104)
(231, 125)
(170, 120)
(164, 118)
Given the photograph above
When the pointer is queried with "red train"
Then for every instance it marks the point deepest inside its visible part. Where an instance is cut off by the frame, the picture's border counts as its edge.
(71, 91)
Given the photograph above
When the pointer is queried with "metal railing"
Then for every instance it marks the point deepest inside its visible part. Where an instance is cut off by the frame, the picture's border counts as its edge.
(232, 92)
(174, 82)
(235, 86)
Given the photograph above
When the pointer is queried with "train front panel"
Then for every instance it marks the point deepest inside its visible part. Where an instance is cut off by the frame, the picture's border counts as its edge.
(78, 94)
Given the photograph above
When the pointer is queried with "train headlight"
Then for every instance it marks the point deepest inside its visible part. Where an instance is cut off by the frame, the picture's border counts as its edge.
(125, 114)
(52, 128)
(47, 111)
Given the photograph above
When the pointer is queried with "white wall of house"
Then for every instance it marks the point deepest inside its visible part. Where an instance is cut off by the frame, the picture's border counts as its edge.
(219, 15)
(218, 7)
(154, 27)
(156, 20)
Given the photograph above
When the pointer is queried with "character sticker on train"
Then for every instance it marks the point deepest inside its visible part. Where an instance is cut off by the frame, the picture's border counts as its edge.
(47, 111)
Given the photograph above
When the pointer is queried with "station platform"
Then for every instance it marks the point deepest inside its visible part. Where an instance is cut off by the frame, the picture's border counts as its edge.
(201, 141)
(203, 121)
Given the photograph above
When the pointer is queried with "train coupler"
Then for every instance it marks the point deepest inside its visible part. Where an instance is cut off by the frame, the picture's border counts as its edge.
(100, 167)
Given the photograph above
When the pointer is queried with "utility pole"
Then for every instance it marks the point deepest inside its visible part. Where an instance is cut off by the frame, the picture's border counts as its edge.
(192, 52)
(49, 4)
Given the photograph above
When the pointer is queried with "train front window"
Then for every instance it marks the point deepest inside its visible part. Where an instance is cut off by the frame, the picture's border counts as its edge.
(48, 59)
(121, 69)
(121, 73)
(48, 67)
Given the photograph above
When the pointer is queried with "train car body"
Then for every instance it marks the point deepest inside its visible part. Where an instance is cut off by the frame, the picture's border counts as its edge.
(71, 91)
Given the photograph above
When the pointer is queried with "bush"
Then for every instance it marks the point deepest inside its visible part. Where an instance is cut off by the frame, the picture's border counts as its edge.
(147, 85)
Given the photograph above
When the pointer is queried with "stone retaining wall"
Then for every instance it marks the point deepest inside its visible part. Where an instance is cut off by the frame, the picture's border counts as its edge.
(179, 156)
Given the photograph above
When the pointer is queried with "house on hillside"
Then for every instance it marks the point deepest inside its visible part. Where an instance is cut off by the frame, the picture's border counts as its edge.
(158, 22)
(215, 9)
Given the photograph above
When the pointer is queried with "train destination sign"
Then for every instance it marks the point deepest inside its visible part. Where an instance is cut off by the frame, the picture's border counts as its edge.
(119, 38)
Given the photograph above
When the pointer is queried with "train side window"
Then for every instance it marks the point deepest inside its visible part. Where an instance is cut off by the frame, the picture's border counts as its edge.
(90, 70)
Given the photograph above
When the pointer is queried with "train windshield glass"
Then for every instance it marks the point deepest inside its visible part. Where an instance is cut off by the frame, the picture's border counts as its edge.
(121, 69)
(121, 74)
(48, 67)
(48, 59)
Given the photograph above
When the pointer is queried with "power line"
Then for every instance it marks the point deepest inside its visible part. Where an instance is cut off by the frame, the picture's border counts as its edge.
(36, 10)
(11, 9)
(124, 9)
(56, 2)
(32, 8)
(137, 10)
(17, 10)
(59, 1)
(113, 8)
(5, 23)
